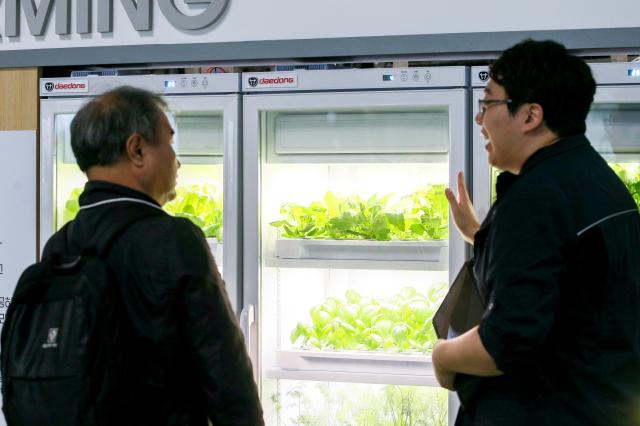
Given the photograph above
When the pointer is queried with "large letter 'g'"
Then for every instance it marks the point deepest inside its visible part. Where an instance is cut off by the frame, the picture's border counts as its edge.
(183, 22)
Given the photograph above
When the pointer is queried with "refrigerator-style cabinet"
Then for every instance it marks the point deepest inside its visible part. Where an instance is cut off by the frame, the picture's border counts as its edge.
(203, 109)
(613, 124)
(347, 244)
(613, 128)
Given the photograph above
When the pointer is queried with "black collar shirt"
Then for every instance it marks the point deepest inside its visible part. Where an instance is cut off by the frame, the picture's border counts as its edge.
(557, 261)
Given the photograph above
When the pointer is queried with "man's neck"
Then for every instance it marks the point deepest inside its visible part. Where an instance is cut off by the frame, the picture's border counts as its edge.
(535, 144)
(117, 174)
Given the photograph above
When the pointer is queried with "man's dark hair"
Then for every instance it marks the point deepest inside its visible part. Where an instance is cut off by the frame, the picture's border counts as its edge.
(100, 129)
(544, 72)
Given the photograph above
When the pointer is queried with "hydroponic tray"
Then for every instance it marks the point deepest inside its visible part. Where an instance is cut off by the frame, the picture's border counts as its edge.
(422, 251)
(354, 366)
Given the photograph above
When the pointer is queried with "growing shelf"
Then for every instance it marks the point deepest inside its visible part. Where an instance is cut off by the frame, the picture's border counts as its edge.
(419, 255)
(354, 366)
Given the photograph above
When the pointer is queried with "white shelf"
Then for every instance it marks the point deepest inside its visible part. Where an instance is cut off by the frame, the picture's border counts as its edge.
(357, 264)
(361, 254)
(421, 251)
(354, 367)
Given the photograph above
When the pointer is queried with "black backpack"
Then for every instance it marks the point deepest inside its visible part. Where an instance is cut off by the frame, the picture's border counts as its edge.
(61, 337)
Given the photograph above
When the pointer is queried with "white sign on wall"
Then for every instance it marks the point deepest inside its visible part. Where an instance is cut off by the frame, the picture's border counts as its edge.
(18, 212)
(93, 23)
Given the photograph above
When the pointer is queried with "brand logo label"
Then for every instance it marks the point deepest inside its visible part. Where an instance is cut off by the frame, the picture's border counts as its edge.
(52, 339)
(483, 75)
(273, 80)
(67, 86)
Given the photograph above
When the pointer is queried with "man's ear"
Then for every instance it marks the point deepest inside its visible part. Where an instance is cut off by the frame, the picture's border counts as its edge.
(534, 116)
(135, 149)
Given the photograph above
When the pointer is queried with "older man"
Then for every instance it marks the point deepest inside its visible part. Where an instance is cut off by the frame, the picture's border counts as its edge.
(182, 360)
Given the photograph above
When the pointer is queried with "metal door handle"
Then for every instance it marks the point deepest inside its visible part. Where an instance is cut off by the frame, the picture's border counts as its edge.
(247, 319)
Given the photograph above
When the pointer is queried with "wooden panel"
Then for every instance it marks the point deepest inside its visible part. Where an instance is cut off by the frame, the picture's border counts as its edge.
(19, 99)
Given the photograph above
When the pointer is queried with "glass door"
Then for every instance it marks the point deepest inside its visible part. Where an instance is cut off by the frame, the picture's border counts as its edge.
(348, 250)
(206, 129)
(484, 176)
(613, 128)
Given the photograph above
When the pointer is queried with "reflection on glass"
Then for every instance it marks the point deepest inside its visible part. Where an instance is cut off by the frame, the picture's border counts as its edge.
(614, 128)
(321, 403)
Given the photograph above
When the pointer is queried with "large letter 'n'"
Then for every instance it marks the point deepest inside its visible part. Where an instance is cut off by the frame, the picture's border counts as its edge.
(139, 12)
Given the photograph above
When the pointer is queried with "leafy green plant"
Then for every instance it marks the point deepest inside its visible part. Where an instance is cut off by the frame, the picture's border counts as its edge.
(202, 205)
(399, 324)
(629, 173)
(301, 221)
(71, 206)
(358, 219)
(426, 215)
(423, 215)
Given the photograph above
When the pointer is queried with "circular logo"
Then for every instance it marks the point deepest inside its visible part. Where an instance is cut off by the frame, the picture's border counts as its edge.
(253, 81)
(483, 75)
(48, 86)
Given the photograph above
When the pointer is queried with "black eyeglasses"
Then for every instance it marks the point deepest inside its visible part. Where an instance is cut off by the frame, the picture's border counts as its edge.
(485, 104)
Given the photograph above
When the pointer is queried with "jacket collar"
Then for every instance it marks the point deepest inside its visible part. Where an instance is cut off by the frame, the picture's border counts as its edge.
(562, 146)
(506, 180)
(95, 190)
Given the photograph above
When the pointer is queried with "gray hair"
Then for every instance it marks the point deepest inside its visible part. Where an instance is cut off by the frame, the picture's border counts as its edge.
(100, 129)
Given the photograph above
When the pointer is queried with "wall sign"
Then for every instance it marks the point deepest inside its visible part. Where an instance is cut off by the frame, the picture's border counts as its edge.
(18, 213)
(139, 12)
(90, 32)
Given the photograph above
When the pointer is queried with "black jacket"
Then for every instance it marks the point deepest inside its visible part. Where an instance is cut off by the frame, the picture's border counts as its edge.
(558, 262)
(184, 358)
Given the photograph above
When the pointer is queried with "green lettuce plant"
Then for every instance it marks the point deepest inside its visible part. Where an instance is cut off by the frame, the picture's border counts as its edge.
(358, 219)
(301, 221)
(423, 215)
(629, 173)
(426, 215)
(71, 206)
(202, 205)
(399, 324)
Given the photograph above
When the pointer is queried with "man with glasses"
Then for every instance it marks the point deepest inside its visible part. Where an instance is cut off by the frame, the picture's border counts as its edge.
(557, 260)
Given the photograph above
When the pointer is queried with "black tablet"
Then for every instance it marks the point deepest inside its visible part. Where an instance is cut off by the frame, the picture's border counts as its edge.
(462, 307)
